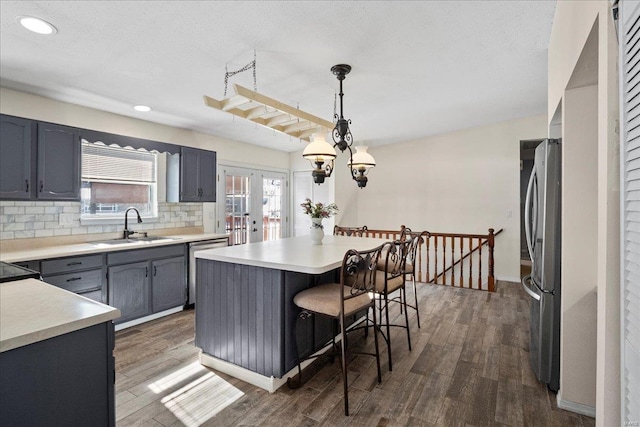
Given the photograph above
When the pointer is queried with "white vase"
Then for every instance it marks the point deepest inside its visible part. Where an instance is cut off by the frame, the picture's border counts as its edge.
(316, 231)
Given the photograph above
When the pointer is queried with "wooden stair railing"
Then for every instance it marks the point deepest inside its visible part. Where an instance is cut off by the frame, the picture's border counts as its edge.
(448, 262)
(448, 255)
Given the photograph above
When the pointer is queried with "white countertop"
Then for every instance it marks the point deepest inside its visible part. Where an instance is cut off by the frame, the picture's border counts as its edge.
(32, 311)
(292, 254)
(48, 252)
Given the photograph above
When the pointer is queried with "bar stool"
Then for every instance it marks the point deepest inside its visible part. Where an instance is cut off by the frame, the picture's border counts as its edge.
(338, 301)
(411, 264)
(393, 278)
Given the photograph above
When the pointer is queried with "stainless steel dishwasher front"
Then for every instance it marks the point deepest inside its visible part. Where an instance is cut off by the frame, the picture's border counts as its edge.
(200, 246)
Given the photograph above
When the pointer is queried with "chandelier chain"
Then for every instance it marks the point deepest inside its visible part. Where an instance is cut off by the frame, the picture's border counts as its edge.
(250, 65)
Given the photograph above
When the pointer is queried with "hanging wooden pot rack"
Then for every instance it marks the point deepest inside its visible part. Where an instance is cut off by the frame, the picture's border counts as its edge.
(268, 112)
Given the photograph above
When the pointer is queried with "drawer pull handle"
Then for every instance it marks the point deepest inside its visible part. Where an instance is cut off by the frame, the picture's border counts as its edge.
(74, 263)
(26, 181)
(146, 272)
(41, 186)
(73, 279)
(155, 270)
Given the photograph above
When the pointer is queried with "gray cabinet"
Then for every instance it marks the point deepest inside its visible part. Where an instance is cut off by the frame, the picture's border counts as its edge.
(146, 281)
(67, 380)
(59, 152)
(17, 149)
(38, 161)
(83, 275)
(197, 175)
(130, 290)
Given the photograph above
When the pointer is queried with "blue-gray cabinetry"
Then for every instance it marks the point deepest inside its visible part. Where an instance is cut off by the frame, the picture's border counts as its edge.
(72, 386)
(146, 281)
(58, 162)
(83, 275)
(39, 161)
(17, 150)
(245, 315)
(197, 175)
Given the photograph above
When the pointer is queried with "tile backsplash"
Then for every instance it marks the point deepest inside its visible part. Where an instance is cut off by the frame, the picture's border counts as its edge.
(25, 220)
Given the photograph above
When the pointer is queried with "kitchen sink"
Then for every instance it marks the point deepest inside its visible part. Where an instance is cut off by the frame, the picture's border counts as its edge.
(130, 241)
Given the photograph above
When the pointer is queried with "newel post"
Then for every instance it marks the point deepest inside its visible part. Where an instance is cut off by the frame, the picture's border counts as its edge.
(490, 242)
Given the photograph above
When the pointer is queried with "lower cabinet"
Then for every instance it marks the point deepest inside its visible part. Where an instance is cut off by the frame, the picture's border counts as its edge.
(168, 276)
(129, 290)
(66, 380)
(146, 281)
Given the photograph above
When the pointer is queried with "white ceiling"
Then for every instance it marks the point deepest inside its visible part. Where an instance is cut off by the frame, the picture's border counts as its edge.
(419, 68)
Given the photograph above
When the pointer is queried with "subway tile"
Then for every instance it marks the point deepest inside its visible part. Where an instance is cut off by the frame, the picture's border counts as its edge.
(93, 229)
(15, 210)
(53, 209)
(71, 209)
(34, 226)
(4, 203)
(25, 218)
(25, 203)
(13, 226)
(27, 234)
(44, 233)
(6, 235)
(34, 210)
(62, 231)
(78, 230)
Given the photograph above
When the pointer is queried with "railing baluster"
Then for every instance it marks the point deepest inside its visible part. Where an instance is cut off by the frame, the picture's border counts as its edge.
(453, 270)
(435, 264)
(480, 263)
(461, 263)
(428, 257)
(444, 260)
(470, 263)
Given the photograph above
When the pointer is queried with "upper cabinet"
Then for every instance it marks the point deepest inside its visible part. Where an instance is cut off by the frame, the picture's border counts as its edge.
(197, 175)
(59, 154)
(17, 146)
(39, 161)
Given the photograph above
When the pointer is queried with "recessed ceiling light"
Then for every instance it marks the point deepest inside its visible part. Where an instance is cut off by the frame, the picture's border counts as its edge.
(36, 25)
(142, 108)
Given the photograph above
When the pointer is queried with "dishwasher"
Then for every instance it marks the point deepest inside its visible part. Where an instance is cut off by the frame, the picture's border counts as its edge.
(200, 246)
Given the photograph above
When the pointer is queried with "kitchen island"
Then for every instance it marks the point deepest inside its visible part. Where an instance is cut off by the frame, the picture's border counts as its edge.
(56, 357)
(245, 314)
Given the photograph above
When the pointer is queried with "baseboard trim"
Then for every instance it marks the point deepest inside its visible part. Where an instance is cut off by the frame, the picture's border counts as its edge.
(149, 318)
(509, 279)
(578, 408)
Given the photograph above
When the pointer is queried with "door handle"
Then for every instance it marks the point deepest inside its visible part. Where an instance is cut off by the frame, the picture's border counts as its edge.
(254, 229)
(527, 289)
(527, 215)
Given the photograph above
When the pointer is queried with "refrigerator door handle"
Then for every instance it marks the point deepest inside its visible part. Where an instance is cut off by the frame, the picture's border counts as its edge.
(527, 289)
(527, 216)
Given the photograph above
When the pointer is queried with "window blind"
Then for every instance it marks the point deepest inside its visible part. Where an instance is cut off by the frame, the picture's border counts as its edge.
(104, 163)
(629, 30)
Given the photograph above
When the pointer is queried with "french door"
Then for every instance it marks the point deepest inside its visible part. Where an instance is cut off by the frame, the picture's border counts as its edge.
(255, 204)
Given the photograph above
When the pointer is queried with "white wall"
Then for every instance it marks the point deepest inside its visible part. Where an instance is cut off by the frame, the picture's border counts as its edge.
(572, 25)
(579, 247)
(465, 181)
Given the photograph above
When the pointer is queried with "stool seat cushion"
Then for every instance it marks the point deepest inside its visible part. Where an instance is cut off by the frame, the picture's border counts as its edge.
(325, 299)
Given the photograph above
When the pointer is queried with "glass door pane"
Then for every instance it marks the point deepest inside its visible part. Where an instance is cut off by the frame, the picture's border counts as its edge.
(237, 207)
(272, 207)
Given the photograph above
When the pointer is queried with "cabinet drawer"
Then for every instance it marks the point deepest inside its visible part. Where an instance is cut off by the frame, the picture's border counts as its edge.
(77, 282)
(63, 265)
(125, 257)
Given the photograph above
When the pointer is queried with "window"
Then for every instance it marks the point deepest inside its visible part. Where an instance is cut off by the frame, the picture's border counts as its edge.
(114, 179)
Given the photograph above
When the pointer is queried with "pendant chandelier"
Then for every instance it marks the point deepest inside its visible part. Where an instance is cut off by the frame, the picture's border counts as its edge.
(322, 154)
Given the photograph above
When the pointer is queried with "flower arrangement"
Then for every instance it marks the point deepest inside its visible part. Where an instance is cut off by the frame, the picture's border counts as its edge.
(318, 210)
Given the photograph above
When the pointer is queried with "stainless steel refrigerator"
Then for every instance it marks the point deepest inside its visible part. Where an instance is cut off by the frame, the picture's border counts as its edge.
(542, 230)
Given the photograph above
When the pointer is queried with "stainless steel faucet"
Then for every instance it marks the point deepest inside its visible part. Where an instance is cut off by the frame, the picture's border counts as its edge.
(128, 233)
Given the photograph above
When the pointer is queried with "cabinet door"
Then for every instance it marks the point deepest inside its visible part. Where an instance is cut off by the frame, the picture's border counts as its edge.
(16, 151)
(58, 162)
(189, 186)
(207, 176)
(129, 290)
(168, 283)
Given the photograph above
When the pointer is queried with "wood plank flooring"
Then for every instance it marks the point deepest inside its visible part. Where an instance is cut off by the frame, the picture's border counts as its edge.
(469, 366)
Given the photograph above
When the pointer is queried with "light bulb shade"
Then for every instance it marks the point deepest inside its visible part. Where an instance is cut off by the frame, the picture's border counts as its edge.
(319, 150)
(361, 159)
